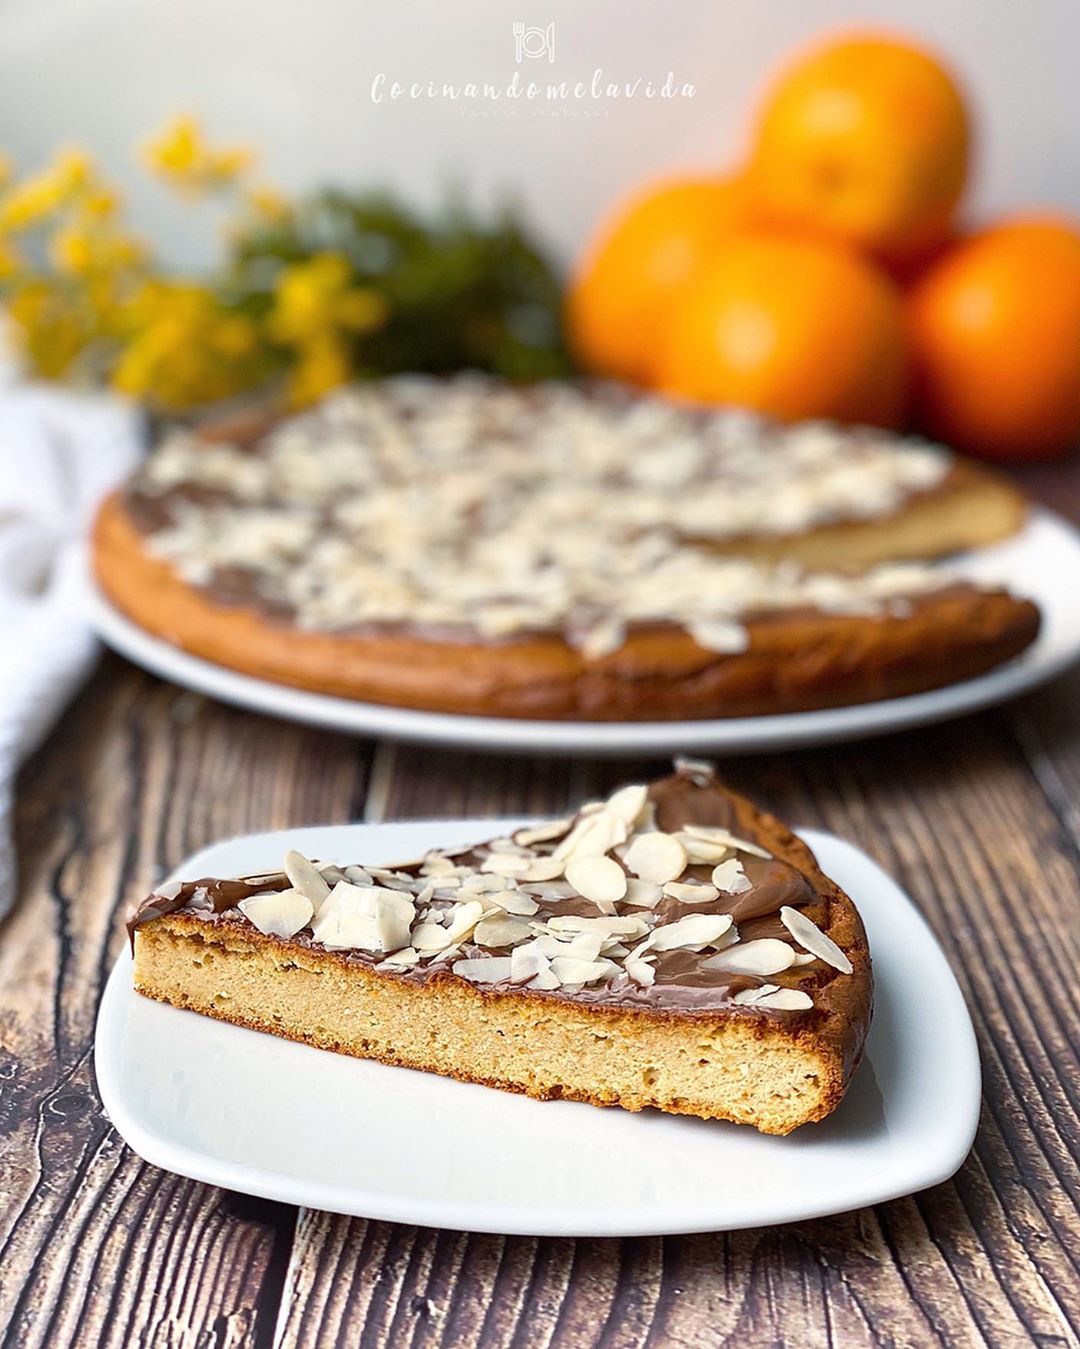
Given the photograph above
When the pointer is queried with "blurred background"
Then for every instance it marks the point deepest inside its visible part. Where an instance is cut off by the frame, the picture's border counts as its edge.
(295, 80)
(863, 214)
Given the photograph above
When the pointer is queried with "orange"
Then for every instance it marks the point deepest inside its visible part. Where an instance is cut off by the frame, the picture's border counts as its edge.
(995, 326)
(794, 327)
(865, 140)
(639, 260)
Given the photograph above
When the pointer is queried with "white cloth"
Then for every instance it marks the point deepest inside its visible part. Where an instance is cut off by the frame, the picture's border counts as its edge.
(60, 453)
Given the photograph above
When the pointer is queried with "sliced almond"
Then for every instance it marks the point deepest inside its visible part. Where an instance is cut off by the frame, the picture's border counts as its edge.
(703, 851)
(656, 857)
(604, 927)
(278, 913)
(776, 998)
(481, 884)
(767, 955)
(599, 879)
(543, 869)
(730, 877)
(403, 959)
(700, 771)
(810, 936)
(515, 901)
(542, 833)
(593, 835)
(640, 971)
(501, 932)
(464, 920)
(305, 877)
(691, 892)
(530, 966)
(715, 834)
(569, 970)
(628, 803)
(428, 937)
(506, 863)
(642, 894)
(551, 890)
(483, 969)
(693, 933)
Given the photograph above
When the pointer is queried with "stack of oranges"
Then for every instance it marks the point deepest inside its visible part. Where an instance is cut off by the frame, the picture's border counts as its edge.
(828, 277)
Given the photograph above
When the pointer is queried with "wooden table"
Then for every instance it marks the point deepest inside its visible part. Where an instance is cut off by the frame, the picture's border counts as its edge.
(979, 820)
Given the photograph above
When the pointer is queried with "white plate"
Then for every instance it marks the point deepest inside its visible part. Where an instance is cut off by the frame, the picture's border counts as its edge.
(250, 1112)
(1043, 562)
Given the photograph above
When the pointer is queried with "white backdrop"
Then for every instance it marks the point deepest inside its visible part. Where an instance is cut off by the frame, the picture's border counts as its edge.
(296, 76)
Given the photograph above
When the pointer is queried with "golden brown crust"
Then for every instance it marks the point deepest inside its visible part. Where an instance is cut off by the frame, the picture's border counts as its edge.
(972, 507)
(794, 661)
(774, 1070)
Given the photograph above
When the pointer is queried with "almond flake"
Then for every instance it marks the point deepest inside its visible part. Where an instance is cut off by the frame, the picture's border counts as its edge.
(702, 851)
(501, 932)
(730, 877)
(628, 803)
(714, 834)
(569, 970)
(543, 869)
(484, 969)
(515, 901)
(656, 857)
(605, 927)
(700, 771)
(305, 877)
(642, 894)
(599, 879)
(810, 936)
(767, 955)
(532, 967)
(690, 893)
(464, 920)
(542, 833)
(430, 937)
(278, 913)
(593, 835)
(403, 959)
(506, 863)
(640, 971)
(694, 932)
(775, 997)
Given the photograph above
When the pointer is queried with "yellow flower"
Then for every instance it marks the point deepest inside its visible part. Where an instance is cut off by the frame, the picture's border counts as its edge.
(38, 197)
(268, 203)
(51, 331)
(82, 251)
(11, 260)
(323, 364)
(185, 348)
(181, 155)
(7, 168)
(314, 298)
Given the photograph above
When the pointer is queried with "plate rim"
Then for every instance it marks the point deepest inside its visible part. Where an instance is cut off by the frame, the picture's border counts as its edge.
(741, 735)
(507, 1220)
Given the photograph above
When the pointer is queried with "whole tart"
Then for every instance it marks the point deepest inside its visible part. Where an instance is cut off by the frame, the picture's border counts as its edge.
(562, 551)
(671, 947)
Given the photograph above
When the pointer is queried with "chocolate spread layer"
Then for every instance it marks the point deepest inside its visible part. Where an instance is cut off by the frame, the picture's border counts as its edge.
(682, 977)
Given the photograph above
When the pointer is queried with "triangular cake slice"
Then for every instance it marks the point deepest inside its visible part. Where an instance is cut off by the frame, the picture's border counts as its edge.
(671, 947)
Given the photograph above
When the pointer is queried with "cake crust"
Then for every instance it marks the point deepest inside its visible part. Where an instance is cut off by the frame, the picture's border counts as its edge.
(773, 1069)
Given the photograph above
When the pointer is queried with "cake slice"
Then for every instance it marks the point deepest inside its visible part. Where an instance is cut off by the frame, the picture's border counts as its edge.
(671, 947)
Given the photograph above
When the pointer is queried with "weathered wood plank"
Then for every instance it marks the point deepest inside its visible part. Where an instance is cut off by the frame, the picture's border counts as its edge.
(95, 1246)
(983, 1260)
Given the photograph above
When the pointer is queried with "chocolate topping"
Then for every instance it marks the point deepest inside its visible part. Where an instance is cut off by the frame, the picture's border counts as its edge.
(682, 978)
